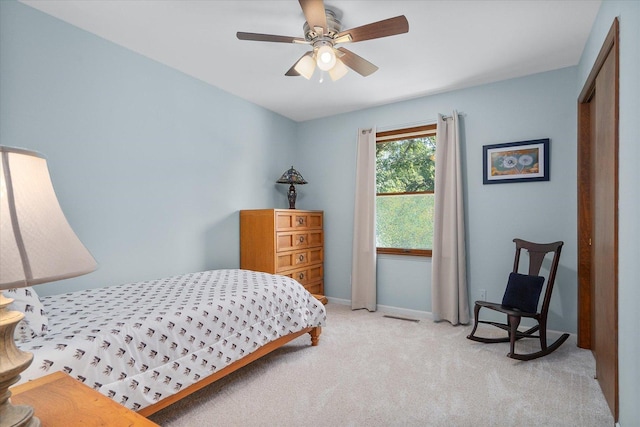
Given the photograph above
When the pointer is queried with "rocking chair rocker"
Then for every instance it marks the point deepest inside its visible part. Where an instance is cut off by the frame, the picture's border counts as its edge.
(521, 300)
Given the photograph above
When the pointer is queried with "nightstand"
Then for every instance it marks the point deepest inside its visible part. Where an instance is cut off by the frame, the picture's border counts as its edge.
(59, 400)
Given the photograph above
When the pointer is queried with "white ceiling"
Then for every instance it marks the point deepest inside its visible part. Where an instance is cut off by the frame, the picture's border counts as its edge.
(450, 45)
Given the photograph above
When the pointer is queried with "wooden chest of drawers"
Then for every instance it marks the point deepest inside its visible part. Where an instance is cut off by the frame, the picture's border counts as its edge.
(289, 242)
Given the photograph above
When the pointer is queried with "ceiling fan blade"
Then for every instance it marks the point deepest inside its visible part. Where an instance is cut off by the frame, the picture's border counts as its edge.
(292, 72)
(356, 63)
(269, 38)
(376, 30)
(314, 14)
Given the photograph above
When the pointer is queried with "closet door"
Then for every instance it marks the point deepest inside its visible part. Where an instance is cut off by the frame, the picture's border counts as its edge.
(598, 218)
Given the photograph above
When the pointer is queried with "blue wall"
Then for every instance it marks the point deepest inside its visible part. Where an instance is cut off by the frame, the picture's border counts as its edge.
(538, 106)
(151, 166)
(628, 13)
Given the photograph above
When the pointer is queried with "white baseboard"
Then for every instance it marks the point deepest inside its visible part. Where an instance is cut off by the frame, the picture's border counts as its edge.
(339, 301)
(427, 315)
(396, 311)
(405, 312)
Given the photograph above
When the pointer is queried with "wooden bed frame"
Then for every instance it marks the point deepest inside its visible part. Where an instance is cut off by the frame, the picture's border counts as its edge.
(260, 352)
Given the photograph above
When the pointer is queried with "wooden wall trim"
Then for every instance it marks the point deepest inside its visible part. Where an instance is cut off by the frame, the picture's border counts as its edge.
(585, 219)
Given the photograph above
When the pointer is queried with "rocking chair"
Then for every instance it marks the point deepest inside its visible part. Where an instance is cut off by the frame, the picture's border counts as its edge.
(521, 300)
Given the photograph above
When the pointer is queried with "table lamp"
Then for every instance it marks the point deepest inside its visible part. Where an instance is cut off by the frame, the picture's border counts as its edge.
(291, 177)
(37, 246)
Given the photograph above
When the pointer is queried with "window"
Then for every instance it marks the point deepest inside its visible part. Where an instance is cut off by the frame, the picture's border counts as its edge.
(405, 174)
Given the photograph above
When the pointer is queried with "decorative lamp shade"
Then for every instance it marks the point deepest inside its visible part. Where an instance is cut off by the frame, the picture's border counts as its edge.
(338, 71)
(291, 176)
(306, 66)
(37, 245)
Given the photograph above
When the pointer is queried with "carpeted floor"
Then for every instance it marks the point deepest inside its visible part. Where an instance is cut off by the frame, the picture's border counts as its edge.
(370, 370)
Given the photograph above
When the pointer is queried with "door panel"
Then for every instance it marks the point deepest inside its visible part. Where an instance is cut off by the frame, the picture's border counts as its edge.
(598, 217)
(605, 233)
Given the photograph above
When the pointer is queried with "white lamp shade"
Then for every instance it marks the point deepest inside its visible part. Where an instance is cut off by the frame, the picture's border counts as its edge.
(37, 245)
(305, 66)
(326, 58)
(338, 71)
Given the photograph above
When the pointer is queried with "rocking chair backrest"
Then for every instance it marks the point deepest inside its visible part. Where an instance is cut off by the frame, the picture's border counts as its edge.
(537, 253)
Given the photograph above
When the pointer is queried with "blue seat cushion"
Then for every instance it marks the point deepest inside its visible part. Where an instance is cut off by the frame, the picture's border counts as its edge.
(523, 292)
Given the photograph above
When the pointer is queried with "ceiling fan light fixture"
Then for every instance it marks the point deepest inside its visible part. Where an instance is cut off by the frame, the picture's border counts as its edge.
(323, 31)
(338, 71)
(306, 66)
(326, 57)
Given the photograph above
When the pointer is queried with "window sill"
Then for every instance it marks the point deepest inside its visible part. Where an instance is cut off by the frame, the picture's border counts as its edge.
(405, 252)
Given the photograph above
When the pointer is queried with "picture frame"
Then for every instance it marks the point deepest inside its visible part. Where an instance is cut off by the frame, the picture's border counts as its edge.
(522, 161)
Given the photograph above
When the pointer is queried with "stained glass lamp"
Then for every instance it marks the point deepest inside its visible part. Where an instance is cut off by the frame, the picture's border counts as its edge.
(291, 177)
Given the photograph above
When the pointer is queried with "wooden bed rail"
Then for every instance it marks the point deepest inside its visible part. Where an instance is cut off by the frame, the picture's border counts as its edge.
(260, 352)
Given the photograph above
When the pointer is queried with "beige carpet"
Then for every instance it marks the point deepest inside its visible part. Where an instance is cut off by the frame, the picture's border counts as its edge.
(370, 370)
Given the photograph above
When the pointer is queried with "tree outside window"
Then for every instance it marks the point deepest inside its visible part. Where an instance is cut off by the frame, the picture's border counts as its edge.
(405, 172)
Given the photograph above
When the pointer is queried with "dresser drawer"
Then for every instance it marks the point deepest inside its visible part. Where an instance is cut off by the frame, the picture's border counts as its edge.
(291, 240)
(307, 275)
(292, 220)
(316, 238)
(297, 259)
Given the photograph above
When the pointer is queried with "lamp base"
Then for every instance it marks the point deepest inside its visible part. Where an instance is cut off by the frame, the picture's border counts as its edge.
(17, 416)
(291, 195)
(12, 362)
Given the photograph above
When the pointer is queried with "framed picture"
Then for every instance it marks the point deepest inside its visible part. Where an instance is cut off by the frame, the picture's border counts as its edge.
(516, 162)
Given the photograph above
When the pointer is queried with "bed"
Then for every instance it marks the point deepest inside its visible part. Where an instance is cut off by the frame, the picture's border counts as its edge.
(148, 344)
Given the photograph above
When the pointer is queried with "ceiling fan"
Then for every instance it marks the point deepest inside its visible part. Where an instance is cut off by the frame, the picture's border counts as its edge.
(323, 32)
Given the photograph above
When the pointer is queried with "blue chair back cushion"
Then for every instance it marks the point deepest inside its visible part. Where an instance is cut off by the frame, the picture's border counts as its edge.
(523, 292)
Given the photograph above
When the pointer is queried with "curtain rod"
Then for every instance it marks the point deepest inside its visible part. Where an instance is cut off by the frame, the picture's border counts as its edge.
(414, 124)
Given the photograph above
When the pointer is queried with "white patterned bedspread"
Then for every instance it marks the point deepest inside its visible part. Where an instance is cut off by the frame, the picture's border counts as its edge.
(139, 343)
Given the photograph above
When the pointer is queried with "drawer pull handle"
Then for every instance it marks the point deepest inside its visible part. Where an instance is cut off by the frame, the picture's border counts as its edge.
(300, 220)
(301, 239)
(301, 276)
(301, 257)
